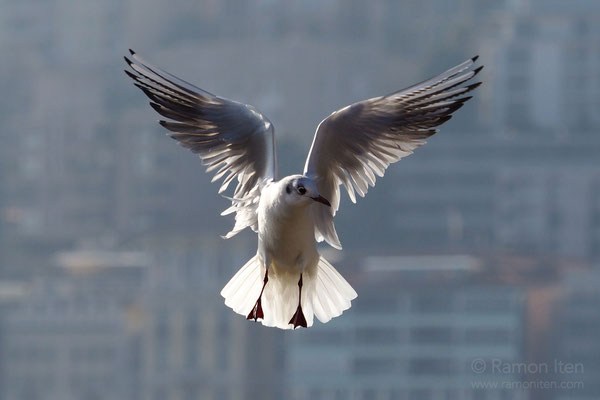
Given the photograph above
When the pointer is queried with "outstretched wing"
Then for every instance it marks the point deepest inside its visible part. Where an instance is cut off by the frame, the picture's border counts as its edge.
(230, 136)
(357, 143)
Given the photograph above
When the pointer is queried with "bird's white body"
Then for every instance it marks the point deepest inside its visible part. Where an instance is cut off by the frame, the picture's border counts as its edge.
(287, 248)
(286, 231)
(351, 147)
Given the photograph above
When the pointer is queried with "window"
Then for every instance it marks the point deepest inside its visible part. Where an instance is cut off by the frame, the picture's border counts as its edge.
(432, 335)
(432, 366)
(377, 336)
(372, 366)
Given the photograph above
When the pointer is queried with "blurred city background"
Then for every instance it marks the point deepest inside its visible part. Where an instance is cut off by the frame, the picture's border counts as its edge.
(476, 260)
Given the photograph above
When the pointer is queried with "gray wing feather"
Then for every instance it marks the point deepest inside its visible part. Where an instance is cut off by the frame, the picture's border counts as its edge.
(230, 137)
(354, 145)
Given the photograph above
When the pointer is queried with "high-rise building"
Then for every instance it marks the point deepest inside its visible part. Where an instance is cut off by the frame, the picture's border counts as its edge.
(193, 346)
(68, 335)
(578, 327)
(421, 328)
(545, 91)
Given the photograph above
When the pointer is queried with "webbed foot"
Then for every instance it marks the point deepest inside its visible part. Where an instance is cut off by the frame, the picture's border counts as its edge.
(298, 318)
(257, 311)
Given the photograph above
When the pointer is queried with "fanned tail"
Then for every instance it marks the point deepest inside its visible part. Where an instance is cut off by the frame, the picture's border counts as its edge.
(325, 293)
(243, 289)
(332, 294)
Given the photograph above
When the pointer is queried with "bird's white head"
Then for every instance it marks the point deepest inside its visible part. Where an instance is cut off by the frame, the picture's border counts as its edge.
(300, 190)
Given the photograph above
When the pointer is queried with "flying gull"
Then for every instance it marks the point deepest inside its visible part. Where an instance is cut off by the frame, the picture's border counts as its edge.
(287, 283)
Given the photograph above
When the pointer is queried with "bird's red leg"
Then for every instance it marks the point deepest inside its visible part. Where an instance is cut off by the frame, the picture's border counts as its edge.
(257, 311)
(298, 318)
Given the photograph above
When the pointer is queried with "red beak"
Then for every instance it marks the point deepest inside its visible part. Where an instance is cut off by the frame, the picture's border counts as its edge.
(322, 200)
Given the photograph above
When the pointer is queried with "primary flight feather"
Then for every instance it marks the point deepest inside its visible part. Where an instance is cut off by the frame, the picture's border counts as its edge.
(287, 283)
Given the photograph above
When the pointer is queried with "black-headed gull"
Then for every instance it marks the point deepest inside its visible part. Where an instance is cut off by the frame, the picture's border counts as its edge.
(287, 282)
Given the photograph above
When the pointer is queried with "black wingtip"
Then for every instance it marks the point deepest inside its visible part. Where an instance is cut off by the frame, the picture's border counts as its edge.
(472, 59)
(145, 90)
(155, 106)
(474, 86)
(131, 75)
(162, 122)
(132, 52)
(128, 61)
(454, 107)
(444, 118)
(476, 70)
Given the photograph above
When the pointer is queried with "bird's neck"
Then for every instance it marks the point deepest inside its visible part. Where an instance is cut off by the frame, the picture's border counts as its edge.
(288, 222)
(293, 214)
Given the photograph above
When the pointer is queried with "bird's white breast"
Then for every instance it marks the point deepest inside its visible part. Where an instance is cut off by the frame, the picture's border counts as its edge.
(286, 232)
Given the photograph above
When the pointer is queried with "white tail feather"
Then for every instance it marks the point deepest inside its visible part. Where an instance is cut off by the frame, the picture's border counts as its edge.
(325, 293)
(243, 289)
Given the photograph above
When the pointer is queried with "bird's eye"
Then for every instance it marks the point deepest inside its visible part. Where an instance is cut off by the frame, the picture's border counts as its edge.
(301, 189)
